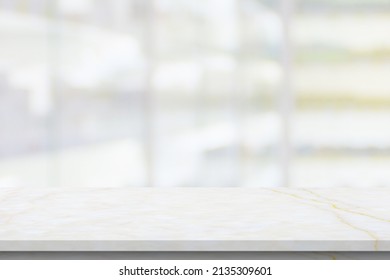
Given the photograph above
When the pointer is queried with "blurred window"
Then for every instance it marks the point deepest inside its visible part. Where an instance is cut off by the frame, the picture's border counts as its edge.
(180, 93)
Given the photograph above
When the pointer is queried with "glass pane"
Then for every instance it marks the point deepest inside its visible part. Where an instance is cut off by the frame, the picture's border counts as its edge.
(130, 93)
(25, 95)
(99, 94)
(216, 77)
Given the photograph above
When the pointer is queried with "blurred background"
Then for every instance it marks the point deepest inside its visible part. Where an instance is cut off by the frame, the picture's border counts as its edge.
(206, 93)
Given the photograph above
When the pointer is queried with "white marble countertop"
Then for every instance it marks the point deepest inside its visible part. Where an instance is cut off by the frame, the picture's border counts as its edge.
(195, 219)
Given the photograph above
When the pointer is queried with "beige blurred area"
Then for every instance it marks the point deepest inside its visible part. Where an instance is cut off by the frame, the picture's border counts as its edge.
(207, 93)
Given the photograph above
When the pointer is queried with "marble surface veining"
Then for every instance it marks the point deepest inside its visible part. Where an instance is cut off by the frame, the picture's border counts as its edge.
(344, 219)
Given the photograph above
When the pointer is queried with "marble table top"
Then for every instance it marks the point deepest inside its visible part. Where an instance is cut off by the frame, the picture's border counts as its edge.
(195, 219)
